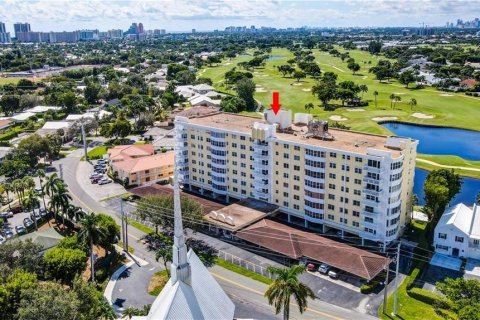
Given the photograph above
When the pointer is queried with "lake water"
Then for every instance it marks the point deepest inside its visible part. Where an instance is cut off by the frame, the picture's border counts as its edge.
(275, 58)
(442, 141)
(470, 188)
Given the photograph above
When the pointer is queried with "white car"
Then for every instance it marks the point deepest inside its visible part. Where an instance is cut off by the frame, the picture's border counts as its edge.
(324, 268)
(104, 181)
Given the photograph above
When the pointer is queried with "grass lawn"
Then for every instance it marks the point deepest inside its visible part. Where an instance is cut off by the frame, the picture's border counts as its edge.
(9, 80)
(450, 161)
(241, 270)
(140, 226)
(158, 281)
(456, 110)
(96, 153)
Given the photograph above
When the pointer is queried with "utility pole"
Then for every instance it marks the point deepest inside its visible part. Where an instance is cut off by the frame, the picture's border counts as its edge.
(124, 233)
(385, 292)
(395, 297)
(84, 139)
(60, 168)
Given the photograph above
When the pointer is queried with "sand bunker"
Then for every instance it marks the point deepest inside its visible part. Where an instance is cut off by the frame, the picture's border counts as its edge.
(260, 90)
(258, 86)
(338, 118)
(399, 93)
(384, 118)
(227, 63)
(422, 115)
(297, 84)
(355, 109)
(306, 90)
(446, 95)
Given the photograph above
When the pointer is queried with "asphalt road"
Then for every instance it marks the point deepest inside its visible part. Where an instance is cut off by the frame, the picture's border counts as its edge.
(247, 294)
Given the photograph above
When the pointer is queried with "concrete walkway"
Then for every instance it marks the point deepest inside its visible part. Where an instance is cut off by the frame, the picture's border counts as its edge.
(448, 167)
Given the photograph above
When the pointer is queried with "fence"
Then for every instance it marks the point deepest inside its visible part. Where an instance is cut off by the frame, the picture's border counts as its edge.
(244, 263)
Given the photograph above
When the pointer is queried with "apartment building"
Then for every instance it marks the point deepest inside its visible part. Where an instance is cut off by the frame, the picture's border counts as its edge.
(355, 183)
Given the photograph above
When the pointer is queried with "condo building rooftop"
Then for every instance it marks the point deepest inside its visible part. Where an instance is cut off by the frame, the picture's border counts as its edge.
(350, 141)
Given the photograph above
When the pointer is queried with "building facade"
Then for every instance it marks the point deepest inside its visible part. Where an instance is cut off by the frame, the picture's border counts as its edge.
(21, 27)
(457, 233)
(355, 183)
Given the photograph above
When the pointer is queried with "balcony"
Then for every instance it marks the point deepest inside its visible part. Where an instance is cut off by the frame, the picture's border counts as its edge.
(218, 174)
(315, 210)
(371, 203)
(370, 214)
(312, 179)
(313, 158)
(218, 181)
(373, 169)
(371, 181)
(314, 169)
(260, 194)
(312, 189)
(218, 157)
(312, 199)
(218, 148)
(372, 192)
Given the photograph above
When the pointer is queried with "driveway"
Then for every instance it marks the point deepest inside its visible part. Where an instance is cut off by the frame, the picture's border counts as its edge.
(96, 191)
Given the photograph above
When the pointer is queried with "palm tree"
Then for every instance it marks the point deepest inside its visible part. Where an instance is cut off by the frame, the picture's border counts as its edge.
(75, 213)
(166, 255)
(91, 234)
(130, 312)
(412, 103)
(309, 106)
(375, 94)
(31, 203)
(396, 99)
(41, 175)
(363, 88)
(106, 311)
(392, 97)
(52, 183)
(285, 285)
(18, 187)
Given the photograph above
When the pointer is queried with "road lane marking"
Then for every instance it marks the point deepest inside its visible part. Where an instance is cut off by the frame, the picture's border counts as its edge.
(261, 293)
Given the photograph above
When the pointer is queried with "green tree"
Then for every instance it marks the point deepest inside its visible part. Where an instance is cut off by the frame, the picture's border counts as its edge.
(412, 103)
(464, 296)
(9, 103)
(21, 254)
(285, 69)
(64, 264)
(31, 203)
(69, 101)
(363, 89)
(16, 283)
(111, 231)
(354, 67)
(120, 128)
(91, 92)
(375, 94)
(286, 285)
(233, 104)
(299, 75)
(47, 302)
(309, 106)
(407, 77)
(91, 234)
(245, 89)
(166, 255)
(326, 88)
(375, 46)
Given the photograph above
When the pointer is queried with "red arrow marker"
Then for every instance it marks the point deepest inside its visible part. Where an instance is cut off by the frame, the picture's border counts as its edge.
(276, 102)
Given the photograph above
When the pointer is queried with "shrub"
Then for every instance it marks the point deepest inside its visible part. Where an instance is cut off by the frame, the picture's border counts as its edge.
(369, 287)
(101, 274)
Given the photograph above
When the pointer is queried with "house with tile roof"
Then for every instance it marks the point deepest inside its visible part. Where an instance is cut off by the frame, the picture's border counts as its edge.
(128, 152)
(137, 171)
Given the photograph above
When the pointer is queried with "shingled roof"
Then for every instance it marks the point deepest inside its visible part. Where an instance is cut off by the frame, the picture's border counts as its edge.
(296, 244)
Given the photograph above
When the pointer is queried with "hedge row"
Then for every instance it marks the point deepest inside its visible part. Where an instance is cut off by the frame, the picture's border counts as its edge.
(426, 296)
(369, 287)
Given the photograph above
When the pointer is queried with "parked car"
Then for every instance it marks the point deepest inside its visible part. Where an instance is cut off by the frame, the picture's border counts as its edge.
(95, 180)
(16, 209)
(96, 175)
(2, 240)
(324, 268)
(100, 171)
(43, 212)
(35, 216)
(5, 215)
(102, 161)
(38, 190)
(333, 274)
(20, 230)
(104, 181)
(27, 222)
(311, 267)
(8, 233)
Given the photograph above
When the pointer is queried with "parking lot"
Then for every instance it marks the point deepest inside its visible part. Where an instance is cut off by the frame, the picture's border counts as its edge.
(17, 220)
(96, 191)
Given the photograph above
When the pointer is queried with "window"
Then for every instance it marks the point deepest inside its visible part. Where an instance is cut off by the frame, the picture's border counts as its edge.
(331, 196)
(286, 156)
(297, 158)
(476, 242)
(332, 175)
(296, 148)
(331, 207)
(355, 213)
(296, 197)
(442, 235)
(458, 239)
(331, 217)
(296, 168)
(358, 170)
(285, 165)
(333, 155)
(439, 246)
(355, 224)
(333, 165)
(296, 207)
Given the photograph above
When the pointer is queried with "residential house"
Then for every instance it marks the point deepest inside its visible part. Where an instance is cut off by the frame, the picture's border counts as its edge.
(128, 152)
(457, 232)
(148, 169)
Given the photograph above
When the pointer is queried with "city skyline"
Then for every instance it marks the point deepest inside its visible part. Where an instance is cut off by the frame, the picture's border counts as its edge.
(178, 16)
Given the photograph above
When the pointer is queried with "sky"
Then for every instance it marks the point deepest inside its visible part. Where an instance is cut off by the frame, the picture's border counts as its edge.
(206, 15)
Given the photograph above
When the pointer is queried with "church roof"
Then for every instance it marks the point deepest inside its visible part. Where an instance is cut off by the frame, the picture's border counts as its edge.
(203, 299)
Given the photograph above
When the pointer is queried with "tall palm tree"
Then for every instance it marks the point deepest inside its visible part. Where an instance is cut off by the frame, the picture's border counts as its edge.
(363, 88)
(392, 98)
(286, 285)
(18, 187)
(91, 234)
(309, 106)
(396, 99)
(412, 103)
(166, 255)
(52, 183)
(41, 175)
(375, 94)
(106, 311)
(31, 203)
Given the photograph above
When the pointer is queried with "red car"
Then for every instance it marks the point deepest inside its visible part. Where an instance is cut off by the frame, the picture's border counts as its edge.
(311, 267)
(95, 180)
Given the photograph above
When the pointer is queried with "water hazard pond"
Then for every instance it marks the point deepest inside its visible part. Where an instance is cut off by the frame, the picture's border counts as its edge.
(440, 141)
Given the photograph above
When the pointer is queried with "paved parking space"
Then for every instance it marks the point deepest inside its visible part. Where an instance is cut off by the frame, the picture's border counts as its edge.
(96, 191)
(472, 269)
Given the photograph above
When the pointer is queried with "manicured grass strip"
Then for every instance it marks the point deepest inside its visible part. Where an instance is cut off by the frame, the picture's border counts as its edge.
(140, 226)
(241, 270)
(158, 281)
(449, 160)
(9, 80)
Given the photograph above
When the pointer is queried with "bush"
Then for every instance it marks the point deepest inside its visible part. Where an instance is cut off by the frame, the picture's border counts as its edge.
(101, 274)
(415, 275)
(369, 287)
(425, 296)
